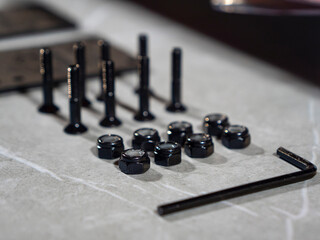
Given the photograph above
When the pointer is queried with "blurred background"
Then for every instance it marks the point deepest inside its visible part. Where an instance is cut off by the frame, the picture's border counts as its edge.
(284, 33)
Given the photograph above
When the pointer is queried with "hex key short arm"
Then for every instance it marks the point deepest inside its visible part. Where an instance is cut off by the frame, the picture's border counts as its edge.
(308, 170)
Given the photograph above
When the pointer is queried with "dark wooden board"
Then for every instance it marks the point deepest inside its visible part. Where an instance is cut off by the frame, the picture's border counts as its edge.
(20, 68)
(30, 19)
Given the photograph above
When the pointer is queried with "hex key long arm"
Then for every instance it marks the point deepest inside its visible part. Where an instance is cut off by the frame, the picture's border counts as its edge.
(307, 170)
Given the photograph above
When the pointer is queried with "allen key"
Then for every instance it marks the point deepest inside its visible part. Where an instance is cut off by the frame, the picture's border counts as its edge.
(308, 170)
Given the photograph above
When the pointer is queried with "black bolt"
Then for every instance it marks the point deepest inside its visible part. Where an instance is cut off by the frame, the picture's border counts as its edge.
(176, 105)
(134, 161)
(167, 154)
(104, 56)
(110, 146)
(236, 137)
(143, 45)
(199, 145)
(75, 126)
(110, 119)
(47, 81)
(143, 113)
(143, 51)
(79, 55)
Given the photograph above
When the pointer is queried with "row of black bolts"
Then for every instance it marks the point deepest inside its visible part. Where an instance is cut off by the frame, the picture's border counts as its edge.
(76, 85)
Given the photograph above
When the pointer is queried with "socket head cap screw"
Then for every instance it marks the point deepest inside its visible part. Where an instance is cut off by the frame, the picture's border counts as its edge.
(199, 145)
(134, 161)
(110, 146)
(236, 137)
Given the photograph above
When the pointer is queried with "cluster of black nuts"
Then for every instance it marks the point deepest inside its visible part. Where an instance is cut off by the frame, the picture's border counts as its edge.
(232, 136)
(180, 134)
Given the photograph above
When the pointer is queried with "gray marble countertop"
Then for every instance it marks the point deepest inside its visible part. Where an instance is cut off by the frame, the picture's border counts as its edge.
(53, 186)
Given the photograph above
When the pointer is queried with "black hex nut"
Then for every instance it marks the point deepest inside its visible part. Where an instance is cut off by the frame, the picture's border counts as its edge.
(146, 139)
(179, 131)
(236, 137)
(215, 123)
(167, 153)
(110, 146)
(199, 145)
(134, 161)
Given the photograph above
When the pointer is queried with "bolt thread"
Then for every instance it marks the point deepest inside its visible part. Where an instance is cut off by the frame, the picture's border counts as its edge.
(144, 83)
(79, 58)
(108, 87)
(46, 73)
(104, 50)
(104, 56)
(176, 75)
(73, 93)
(143, 45)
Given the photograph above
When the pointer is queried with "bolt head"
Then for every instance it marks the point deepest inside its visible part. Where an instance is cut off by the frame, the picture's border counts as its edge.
(199, 145)
(110, 122)
(134, 161)
(236, 137)
(75, 128)
(144, 116)
(177, 107)
(214, 124)
(167, 154)
(48, 109)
